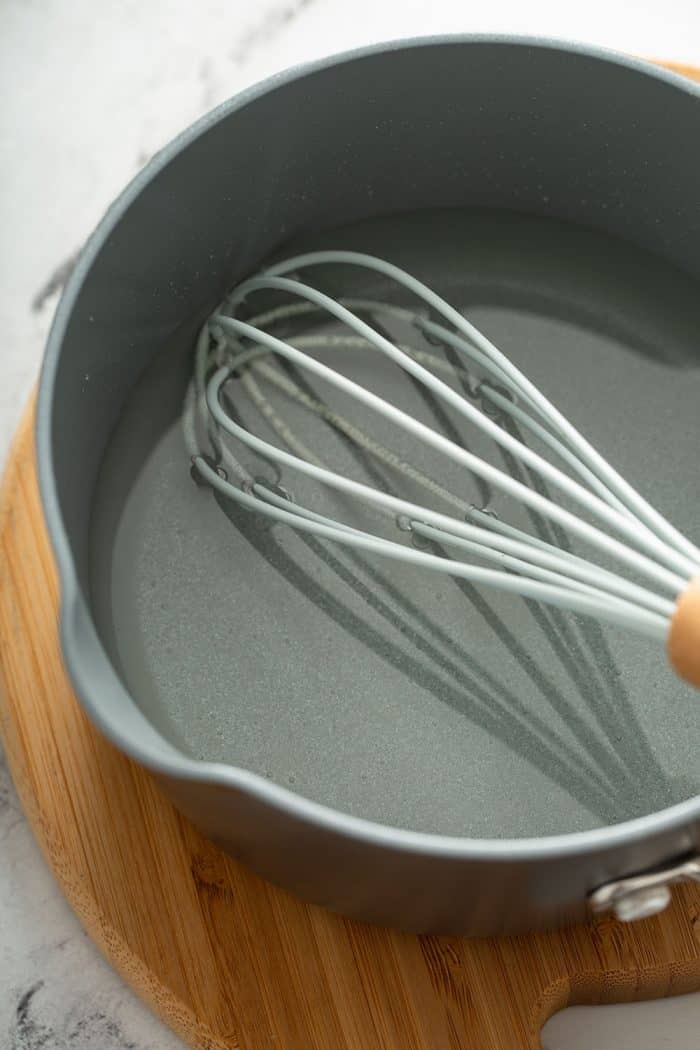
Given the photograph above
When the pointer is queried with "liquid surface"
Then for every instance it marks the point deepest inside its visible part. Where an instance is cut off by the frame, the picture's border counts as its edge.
(396, 694)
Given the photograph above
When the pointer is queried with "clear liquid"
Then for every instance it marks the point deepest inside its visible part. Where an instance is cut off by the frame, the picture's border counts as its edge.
(393, 693)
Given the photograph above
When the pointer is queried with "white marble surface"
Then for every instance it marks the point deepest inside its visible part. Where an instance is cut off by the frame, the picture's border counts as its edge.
(89, 91)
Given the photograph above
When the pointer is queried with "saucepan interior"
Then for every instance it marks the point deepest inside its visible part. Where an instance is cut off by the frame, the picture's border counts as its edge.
(546, 192)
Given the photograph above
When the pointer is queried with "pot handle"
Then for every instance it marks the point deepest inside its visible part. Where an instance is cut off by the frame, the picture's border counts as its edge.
(639, 896)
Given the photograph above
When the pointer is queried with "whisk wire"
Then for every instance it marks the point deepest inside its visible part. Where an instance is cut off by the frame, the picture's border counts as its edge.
(230, 348)
(496, 477)
(519, 555)
(595, 461)
(634, 531)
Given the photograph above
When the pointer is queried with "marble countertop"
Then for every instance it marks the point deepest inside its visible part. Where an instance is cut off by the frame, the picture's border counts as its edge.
(89, 92)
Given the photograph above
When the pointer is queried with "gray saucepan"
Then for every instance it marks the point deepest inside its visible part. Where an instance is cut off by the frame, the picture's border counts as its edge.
(401, 750)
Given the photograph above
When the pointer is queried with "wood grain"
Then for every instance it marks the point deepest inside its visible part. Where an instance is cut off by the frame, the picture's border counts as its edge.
(224, 958)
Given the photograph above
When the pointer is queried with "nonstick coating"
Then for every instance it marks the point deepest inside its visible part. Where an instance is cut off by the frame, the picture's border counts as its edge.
(395, 694)
(550, 130)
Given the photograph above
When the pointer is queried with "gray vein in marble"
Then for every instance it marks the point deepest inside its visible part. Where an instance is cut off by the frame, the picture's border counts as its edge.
(266, 28)
(55, 282)
(28, 1032)
(87, 1030)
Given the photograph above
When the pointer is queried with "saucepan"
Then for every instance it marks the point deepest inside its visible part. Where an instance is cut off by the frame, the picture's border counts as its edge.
(402, 750)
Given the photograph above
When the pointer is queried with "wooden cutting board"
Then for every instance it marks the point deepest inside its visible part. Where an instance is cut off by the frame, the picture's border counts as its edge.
(224, 958)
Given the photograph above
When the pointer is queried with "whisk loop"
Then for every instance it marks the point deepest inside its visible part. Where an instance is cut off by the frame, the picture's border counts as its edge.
(642, 540)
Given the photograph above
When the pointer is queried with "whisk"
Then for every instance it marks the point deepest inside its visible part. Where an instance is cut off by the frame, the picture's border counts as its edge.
(655, 590)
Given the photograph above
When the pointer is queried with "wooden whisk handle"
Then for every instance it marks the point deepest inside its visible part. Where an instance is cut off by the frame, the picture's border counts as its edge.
(684, 636)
